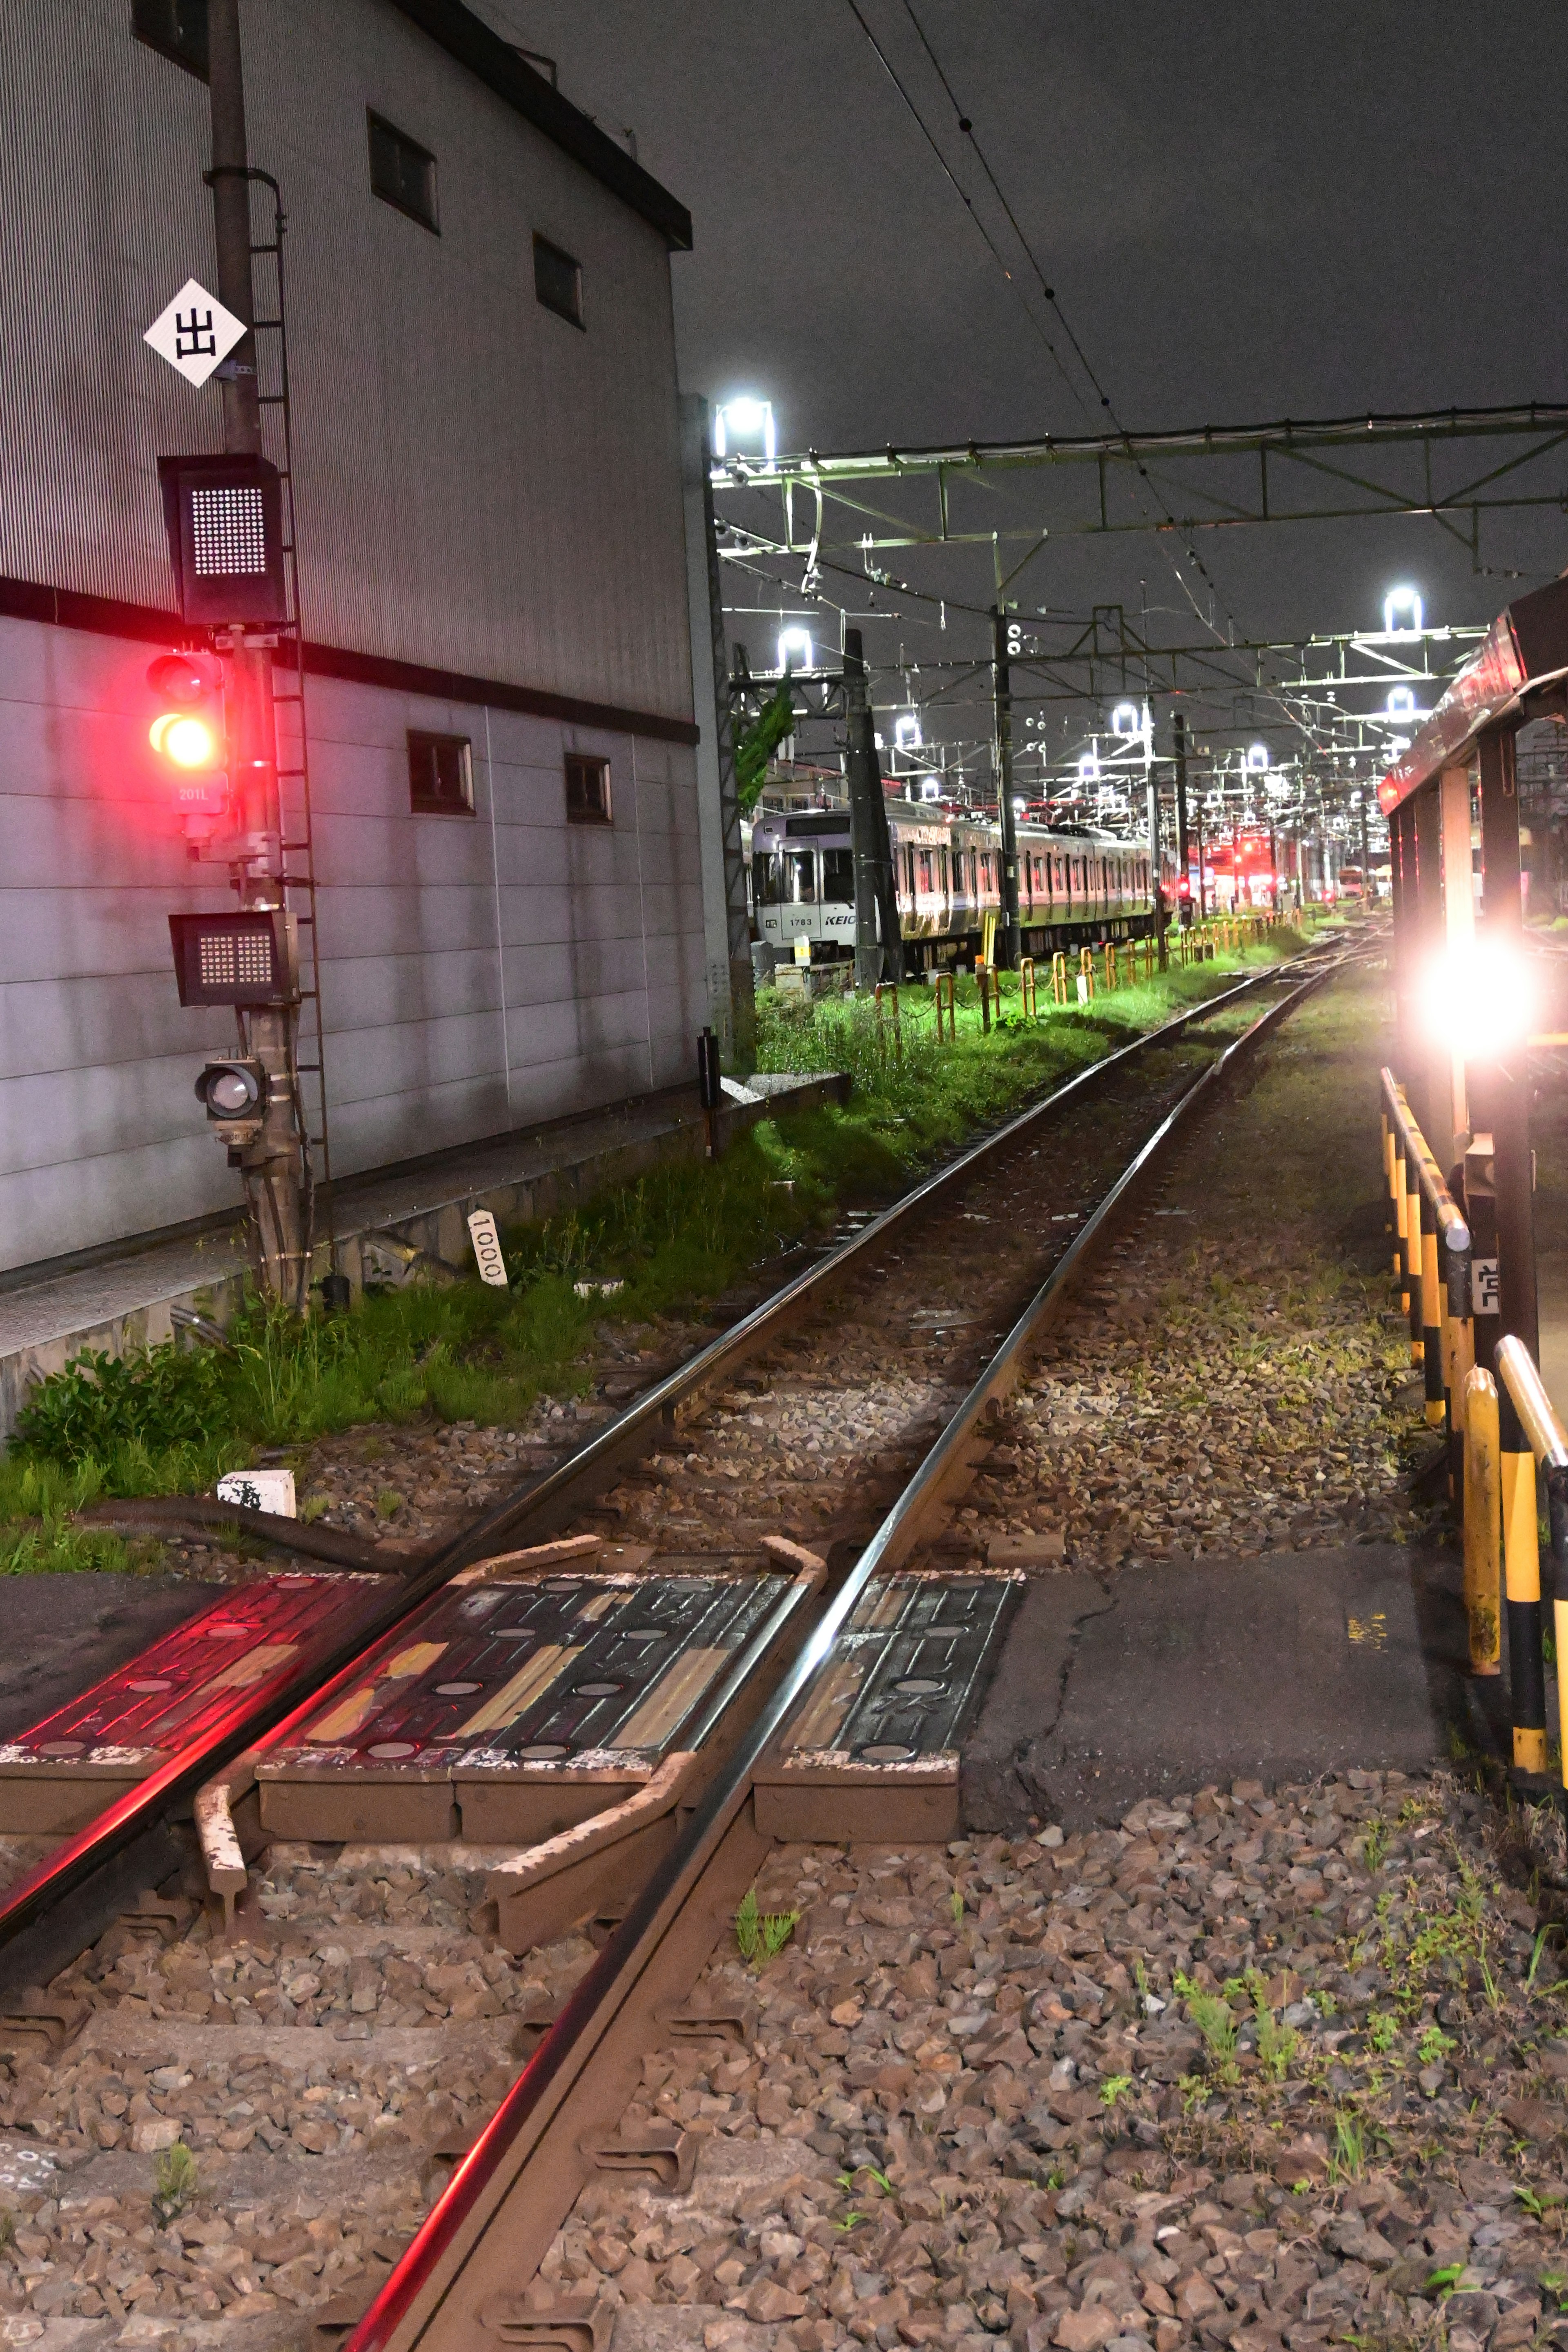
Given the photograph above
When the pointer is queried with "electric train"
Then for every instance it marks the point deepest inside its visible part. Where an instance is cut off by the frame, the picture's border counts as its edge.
(1077, 886)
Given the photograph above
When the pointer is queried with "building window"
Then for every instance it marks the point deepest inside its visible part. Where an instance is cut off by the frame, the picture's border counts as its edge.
(587, 789)
(402, 173)
(440, 775)
(558, 280)
(176, 29)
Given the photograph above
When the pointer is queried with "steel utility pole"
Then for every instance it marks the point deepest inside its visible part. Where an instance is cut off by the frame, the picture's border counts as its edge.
(1007, 957)
(878, 942)
(1184, 885)
(276, 1168)
(1156, 889)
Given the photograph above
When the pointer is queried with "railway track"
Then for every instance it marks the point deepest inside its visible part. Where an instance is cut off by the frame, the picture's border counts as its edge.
(391, 1949)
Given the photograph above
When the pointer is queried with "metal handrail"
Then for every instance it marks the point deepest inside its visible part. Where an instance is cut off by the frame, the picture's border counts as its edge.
(1537, 1414)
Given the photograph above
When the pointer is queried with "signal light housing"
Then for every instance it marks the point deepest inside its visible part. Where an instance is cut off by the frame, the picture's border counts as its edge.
(233, 1089)
(188, 733)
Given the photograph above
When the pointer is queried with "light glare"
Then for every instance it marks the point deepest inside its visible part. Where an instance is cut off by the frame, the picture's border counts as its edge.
(1479, 1004)
(794, 650)
(188, 741)
(1407, 600)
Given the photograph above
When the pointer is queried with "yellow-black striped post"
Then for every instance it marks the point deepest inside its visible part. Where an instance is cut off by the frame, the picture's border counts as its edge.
(1410, 1173)
(1543, 1431)
(1483, 1524)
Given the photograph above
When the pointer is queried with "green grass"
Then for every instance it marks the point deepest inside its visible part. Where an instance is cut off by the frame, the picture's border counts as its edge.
(170, 1419)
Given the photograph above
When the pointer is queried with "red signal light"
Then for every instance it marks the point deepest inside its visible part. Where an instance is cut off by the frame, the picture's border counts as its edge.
(185, 739)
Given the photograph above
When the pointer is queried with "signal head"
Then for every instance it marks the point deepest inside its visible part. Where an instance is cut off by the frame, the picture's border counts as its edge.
(185, 739)
(185, 679)
(233, 1088)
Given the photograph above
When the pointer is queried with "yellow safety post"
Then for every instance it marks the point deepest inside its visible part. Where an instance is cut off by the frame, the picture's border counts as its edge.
(1085, 975)
(1027, 1004)
(1058, 978)
(1548, 1442)
(1110, 969)
(1483, 1523)
(1413, 1246)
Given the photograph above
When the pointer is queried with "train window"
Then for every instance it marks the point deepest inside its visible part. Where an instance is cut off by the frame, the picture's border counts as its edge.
(799, 878)
(974, 876)
(946, 873)
(910, 871)
(926, 882)
(838, 877)
(765, 878)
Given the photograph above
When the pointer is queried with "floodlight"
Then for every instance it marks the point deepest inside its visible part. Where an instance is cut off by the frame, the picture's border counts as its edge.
(1125, 719)
(1479, 1003)
(794, 650)
(907, 731)
(1401, 702)
(930, 789)
(1405, 601)
(747, 419)
(1089, 769)
(1257, 757)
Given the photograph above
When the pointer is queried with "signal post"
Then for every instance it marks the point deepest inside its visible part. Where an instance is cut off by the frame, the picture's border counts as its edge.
(218, 733)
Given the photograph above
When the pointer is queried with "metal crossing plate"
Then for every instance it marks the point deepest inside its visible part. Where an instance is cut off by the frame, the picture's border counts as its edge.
(65, 1770)
(514, 1703)
(872, 1751)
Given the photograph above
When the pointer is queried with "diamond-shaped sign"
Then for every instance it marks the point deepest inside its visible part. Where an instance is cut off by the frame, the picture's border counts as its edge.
(194, 332)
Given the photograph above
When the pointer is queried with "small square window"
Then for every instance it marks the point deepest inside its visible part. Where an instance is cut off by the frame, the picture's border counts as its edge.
(587, 789)
(440, 775)
(177, 30)
(558, 280)
(402, 173)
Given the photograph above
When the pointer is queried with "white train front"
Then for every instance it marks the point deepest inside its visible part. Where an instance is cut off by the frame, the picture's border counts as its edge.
(1075, 887)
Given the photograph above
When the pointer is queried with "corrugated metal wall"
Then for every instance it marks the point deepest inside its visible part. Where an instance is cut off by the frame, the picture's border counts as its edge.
(481, 973)
(483, 487)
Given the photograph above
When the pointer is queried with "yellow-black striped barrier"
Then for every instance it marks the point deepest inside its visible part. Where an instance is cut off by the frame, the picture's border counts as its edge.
(1548, 1443)
(1483, 1523)
(1434, 1254)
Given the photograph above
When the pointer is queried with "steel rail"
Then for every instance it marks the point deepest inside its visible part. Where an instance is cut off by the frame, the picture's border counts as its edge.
(412, 2301)
(132, 1844)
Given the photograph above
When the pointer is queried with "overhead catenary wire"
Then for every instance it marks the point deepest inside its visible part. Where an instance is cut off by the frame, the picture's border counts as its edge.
(966, 126)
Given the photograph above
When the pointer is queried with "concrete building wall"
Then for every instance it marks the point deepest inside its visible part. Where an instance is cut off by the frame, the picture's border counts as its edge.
(482, 486)
(486, 494)
(481, 973)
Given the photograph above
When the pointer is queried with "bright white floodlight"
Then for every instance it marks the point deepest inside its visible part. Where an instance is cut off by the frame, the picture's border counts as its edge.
(1401, 702)
(1257, 756)
(1126, 719)
(1402, 612)
(1089, 769)
(745, 419)
(931, 788)
(794, 650)
(907, 731)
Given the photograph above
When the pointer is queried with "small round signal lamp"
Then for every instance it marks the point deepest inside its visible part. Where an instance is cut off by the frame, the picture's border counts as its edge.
(185, 739)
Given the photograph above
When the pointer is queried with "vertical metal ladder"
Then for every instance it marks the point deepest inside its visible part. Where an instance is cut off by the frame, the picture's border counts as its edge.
(289, 695)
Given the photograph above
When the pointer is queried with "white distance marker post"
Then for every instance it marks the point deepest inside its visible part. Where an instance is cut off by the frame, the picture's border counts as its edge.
(259, 1490)
(487, 1248)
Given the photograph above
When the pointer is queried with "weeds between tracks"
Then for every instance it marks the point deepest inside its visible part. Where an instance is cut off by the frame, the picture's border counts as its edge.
(170, 1420)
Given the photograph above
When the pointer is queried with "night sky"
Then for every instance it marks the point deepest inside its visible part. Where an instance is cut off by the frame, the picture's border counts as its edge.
(1246, 212)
